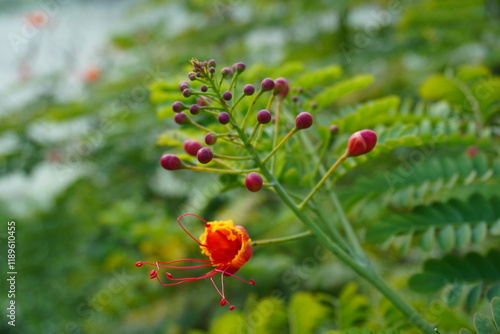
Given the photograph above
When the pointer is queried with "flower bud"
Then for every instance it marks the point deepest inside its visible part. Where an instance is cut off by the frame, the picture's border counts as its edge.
(227, 95)
(210, 138)
(194, 109)
(186, 92)
(264, 116)
(223, 117)
(253, 182)
(204, 88)
(239, 67)
(171, 162)
(181, 118)
(192, 147)
(281, 88)
(248, 90)
(334, 129)
(205, 155)
(183, 85)
(361, 142)
(178, 106)
(267, 84)
(303, 120)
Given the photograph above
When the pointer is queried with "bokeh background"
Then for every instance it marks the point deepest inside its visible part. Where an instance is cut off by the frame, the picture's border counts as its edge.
(79, 166)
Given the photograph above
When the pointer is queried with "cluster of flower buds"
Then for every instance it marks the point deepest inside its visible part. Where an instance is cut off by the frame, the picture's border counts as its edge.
(233, 121)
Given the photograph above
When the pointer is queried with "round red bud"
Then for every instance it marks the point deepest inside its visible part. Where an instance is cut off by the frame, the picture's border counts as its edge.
(181, 118)
(192, 147)
(264, 116)
(223, 117)
(171, 162)
(361, 142)
(303, 120)
(281, 88)
(178, 106)
(205, 155)
(253, 182)
(210, 138)
(183, 85)
(267, 84)
(227, 95)
(248, 90)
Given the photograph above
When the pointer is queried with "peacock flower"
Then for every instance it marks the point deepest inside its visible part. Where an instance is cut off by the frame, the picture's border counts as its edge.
(227, 248)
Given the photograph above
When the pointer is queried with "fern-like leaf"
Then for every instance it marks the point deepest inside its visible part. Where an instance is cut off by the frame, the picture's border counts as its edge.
(451, 224)
(475, 274)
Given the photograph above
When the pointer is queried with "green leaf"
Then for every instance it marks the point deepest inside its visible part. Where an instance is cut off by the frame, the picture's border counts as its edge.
(332, 93)
(484, 325)
(227, 323)
(318, 77)
(465, 331)
(304, 313)
(495, 311)
(446, 238)
(443, 217)
(473, 296)
(439, 87)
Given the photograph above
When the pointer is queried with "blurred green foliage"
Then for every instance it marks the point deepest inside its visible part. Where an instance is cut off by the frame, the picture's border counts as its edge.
(430, 65)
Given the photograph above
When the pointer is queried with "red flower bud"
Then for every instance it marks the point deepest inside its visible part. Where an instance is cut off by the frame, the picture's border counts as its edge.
(171, 162)
(303, 120)
(253, 182)
(281, 88)
(192, 147)
(205, 155)
(361, 142)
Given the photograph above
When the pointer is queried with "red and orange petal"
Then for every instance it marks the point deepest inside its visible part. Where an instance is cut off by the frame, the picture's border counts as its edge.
(226, 245)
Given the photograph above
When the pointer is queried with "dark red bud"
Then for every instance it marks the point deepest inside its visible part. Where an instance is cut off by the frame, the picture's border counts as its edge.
(183, 85)
(194, 109)
(239, 67)
(178, 106)
(210, 138)
(303, 120)
(223, 117)
(264, 116)
(334, 129)
(281, 87)
(227, 95)
(267, 84)
(181, 118)
(171, 162)
(361, 142)
(205, 155)
(248, 89)
(192, 147)
(253, 182)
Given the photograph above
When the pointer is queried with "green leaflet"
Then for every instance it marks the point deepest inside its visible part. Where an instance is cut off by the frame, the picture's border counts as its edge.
(473, 274)
(332, 93)
(456, 223)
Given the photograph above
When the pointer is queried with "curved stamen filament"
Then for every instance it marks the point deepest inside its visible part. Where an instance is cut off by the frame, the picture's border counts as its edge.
(184, 229)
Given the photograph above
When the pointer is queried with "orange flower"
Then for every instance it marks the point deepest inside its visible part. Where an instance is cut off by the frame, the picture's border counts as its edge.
(227, 247)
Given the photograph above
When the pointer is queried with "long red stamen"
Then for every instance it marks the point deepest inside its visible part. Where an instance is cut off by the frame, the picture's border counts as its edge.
(184, 229)
(225, 273)
(162, 265)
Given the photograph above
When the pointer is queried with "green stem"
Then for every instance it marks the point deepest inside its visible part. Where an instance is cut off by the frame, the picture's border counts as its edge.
(220, 171)
(250, 107)
(361, 269)
(277, 147)
(282, 239)
(276, 125)
(323, 180)
(229, 157)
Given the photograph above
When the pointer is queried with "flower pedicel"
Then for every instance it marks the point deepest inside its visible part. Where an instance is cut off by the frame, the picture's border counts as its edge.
(227, 247)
